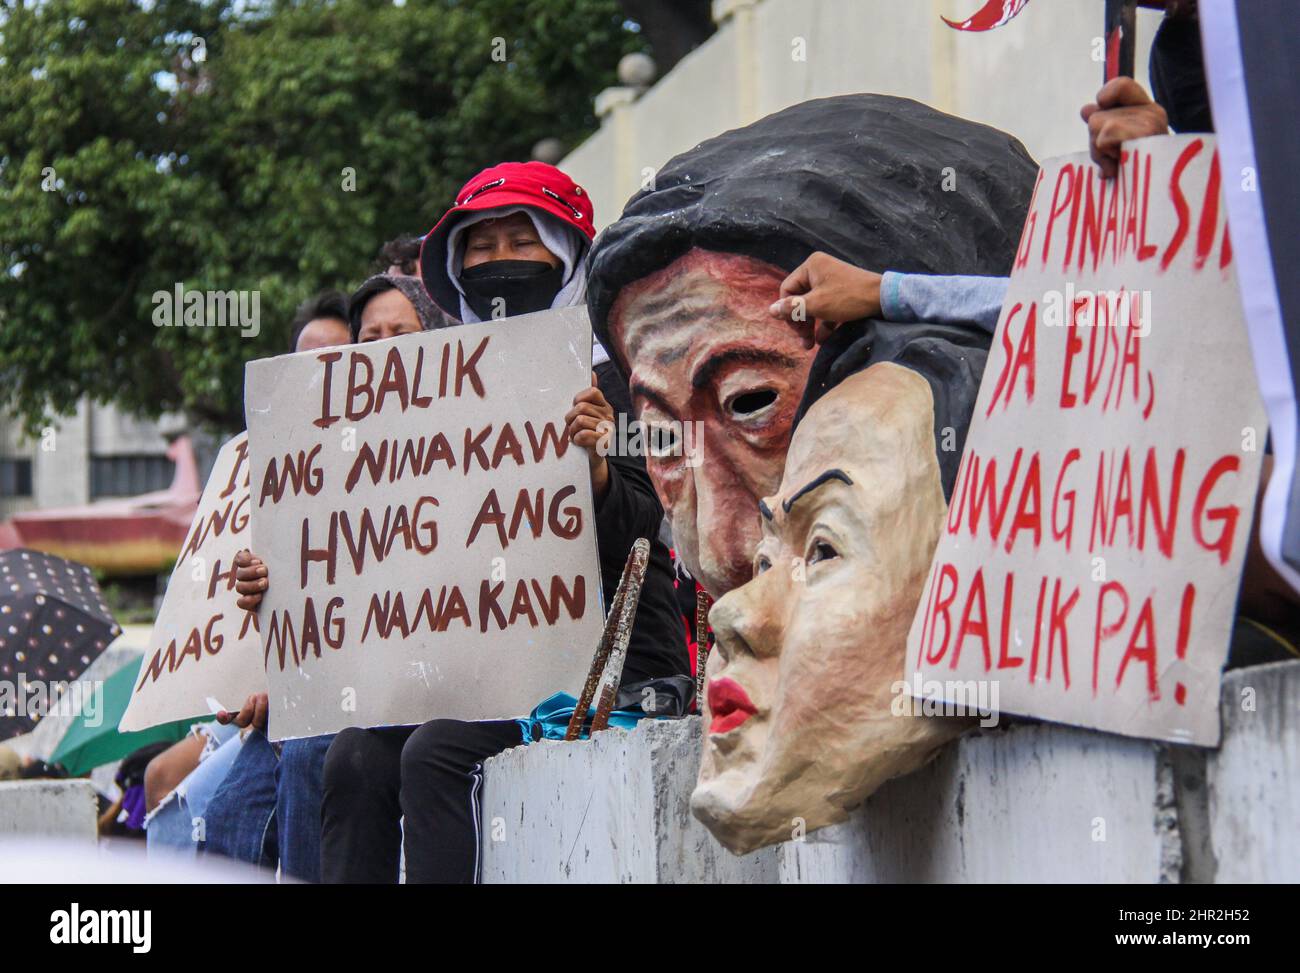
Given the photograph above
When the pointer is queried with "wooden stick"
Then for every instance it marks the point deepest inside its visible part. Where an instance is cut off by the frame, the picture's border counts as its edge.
(638, 559)
(613, 623)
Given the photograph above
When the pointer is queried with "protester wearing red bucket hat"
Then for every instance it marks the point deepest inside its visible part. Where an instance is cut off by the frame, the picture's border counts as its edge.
(515, 242)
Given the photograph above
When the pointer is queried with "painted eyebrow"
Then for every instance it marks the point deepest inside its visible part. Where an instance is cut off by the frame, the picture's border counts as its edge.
(749, 356)
(812, 485)
(765, 510)
(711, 367)
(640, 388)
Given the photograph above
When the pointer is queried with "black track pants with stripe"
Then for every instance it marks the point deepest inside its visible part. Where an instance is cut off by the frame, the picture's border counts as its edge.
(432, 776)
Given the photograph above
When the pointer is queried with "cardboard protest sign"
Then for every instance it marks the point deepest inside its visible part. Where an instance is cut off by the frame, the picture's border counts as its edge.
(1095, 535)
(427, 528)
(203, 646)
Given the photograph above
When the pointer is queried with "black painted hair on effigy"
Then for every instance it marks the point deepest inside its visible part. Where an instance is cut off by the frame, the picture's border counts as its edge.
(950, 358)
(885, 183)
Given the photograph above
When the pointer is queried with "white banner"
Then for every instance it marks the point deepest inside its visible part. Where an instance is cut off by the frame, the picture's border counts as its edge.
(427, 528)
(1101, 514)
(203, 647)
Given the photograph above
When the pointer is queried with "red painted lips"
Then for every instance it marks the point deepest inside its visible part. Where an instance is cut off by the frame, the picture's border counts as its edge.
(729, 704)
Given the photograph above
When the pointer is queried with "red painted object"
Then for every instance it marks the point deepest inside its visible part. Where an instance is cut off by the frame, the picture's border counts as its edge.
(134, 535)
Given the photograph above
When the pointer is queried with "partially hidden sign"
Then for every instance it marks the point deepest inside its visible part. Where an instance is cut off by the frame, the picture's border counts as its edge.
(203, 647)
(1097, 528)
(426, 526)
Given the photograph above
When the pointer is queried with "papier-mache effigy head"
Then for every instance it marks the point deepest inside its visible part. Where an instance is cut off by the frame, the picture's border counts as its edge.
(679, 286)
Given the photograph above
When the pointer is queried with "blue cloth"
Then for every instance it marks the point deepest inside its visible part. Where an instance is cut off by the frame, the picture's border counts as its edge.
(268, 808)
(239, 820)
(171, 828)
(176, 824)
(942, 300)
(299, 791)
(549, 719)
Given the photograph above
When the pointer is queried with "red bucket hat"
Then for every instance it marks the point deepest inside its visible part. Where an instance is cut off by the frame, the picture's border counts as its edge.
(534, 184)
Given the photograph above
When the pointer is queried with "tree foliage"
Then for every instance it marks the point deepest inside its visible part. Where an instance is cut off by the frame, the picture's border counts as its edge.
(240, 146)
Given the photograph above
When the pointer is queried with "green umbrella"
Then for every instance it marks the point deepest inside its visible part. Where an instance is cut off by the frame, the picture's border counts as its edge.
(85, 747)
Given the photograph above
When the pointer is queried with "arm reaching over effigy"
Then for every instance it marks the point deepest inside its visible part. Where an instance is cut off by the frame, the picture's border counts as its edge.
(829, 291)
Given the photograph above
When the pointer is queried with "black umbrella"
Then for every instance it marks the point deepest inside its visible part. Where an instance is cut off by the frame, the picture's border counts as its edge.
(53, 624)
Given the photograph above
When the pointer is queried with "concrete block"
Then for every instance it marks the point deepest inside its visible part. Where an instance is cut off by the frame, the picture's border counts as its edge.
(1024, 803)
(1254, 777)
(612, 809)
(64, 809)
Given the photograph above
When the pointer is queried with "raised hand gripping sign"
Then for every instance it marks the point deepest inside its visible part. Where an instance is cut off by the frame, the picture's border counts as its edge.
(202, 646)
(1096, 532)
(427, 528)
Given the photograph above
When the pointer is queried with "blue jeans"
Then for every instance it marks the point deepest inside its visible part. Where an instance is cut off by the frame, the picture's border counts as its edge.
(179, 822)
(269, 805)
(299, 792)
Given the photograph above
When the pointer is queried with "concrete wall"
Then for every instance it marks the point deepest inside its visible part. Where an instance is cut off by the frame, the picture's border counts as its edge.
(614, 809)
(1253, 780)
(60, 462)
(1029, 77)
(1027, 802)
(113, 433)
(61, 457)
(64, 809)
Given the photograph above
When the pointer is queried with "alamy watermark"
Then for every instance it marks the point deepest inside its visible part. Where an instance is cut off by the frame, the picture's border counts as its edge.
(949, 697)
(186, 308)
(37, 699)
(77, 926)
(1097, 309)
(660, 439)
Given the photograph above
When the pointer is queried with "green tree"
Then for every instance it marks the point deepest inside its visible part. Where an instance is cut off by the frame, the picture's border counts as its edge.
(235, 146)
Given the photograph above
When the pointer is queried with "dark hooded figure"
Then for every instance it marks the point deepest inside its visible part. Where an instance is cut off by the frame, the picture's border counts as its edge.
(679, 288)
(1177, 70)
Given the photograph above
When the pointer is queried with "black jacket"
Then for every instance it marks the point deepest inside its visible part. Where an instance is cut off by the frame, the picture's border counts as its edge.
(630, 510)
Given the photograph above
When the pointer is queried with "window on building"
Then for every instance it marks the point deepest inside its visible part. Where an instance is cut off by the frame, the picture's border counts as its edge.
(15, 477)
(128, 475)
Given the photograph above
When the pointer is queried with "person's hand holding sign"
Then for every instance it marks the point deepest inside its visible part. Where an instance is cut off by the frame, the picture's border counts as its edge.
(827, 291)
(1123, 111)
(250, 580)
(589, 424)
(252, 713)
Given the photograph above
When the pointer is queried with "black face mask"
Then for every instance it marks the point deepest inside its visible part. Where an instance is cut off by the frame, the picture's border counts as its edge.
(505, 288)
